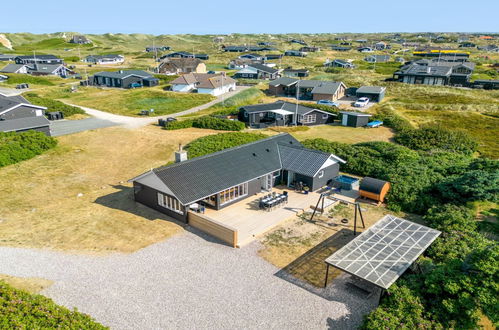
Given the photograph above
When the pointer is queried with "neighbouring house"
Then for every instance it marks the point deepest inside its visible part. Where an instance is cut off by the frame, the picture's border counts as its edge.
(298, 41)
(361, 41)
(241, 63)
(435, 72)
(341, 48)
(467, 45)
(377, 58)
(229, 176)
(309, 49)
(80, 39)
(150, 49)
(257, 71)
(295, 73)
(254, 57)
(489, 48)
(282, 113)
(123, 79)
(399, 59)
(365, 49)
(42, 59)
(439, 52)
(308, 89)
(273, 56)
(354, 119)
(380, 45)
(338, 63)
(373, 93)
(176, 66)
(235, 49)
(39, 69)
(204, 83)
(295, 53)
(7, 57)
(105, 59)
(19, 115)
(186, 55)
(261, 49)
(486, 84)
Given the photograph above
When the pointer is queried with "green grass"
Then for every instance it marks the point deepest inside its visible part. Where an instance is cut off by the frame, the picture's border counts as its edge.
(15, 79)
(130, 102)
(485, 129)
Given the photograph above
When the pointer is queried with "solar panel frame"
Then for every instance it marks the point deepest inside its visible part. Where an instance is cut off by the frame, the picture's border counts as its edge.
(382, 253)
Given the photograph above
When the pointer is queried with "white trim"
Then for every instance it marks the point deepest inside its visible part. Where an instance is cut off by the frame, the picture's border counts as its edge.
(23, 104)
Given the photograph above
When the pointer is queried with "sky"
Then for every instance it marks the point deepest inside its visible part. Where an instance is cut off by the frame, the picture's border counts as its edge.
(255, 16)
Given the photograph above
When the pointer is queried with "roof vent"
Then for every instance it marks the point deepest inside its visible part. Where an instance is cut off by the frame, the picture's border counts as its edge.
(267, 150)
(290, 142)
(254, 154)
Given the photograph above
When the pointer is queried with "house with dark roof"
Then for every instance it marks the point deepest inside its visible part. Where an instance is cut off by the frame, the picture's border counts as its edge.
(295, 53)
(257, 71)
(150, 49)
(373, 93)
(123, 79)
(229, 176)
(307, 89)
(186, 55)
(105, 59)
(381, 45)
(176, 66)
(354, 119)
(341, 48)
(435, 72)
(339, 63)
(298, 41)
(80, 39)
(254, 57)
(295, 73)
(204, 83)
(235, 49)
(39, 69)
(7, 57)
(241, 63)
(365, 49)
(282, 113)
(310, 49)
(42, 59)
(19, 115)
(377, 58)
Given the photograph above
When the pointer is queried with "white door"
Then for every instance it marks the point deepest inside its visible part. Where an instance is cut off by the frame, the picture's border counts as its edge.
(344, 120)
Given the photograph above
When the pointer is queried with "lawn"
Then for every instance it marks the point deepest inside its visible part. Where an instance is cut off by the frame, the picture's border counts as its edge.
(129, 102)
(76, 196)
(339, 133)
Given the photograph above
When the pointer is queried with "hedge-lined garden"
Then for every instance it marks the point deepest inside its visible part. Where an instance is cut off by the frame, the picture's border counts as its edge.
(21, 310)
(207, 122)
(16, 147)
(53, 105)
(213, 143)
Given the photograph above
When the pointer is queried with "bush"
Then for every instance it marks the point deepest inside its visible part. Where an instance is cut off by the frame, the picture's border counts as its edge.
(208, 122)
(16, 147)
(391, 119)
(436, 137)
(54, 105)
(213, 143)
(21, 310)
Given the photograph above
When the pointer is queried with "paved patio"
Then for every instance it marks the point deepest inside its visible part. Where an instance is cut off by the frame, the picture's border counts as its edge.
(250, 221)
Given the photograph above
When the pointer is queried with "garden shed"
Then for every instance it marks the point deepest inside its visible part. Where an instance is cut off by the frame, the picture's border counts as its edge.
(354, 119)
(374, 189)
(374, 93)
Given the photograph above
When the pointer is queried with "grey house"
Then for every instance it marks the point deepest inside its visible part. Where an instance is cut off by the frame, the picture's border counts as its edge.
(314, 90)
(434, 72)
(282, 113)
(186, 55)
(18, 115)
(354, 119)
(223, 178)
(257, 71)
(338, 63)
(80, 39)
(42, 59)
(377, 58)
(124, 79)
(374, 93)
(295, 53)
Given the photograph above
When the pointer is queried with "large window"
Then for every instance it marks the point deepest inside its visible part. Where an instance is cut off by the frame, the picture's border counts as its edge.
(308, 119)
(170, 203)
(233, 193)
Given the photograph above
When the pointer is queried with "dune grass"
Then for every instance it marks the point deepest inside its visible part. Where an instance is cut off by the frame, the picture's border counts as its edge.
(131, 101)
(28, 284)
(15, 79)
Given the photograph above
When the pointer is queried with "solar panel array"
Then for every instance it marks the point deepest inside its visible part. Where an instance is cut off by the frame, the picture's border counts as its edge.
(384, 251)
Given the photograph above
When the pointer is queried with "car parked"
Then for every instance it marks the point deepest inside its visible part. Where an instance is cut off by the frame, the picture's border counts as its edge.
(328, 102)
(361, 102)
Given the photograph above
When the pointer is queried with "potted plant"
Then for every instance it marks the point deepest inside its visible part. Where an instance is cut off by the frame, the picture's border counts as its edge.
(306, 189)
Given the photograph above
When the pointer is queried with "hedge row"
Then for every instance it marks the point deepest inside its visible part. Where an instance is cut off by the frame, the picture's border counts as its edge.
(53, 105)
(208, 122)
(21, 310)
(213, 143)
(16, 147)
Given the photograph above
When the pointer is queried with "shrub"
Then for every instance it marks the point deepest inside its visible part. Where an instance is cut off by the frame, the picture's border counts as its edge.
(16, 147)
(213, 143)
(54, 105)
(391, 119)
(179, 124)
(220, 124)
(436, 137)
(21, 310)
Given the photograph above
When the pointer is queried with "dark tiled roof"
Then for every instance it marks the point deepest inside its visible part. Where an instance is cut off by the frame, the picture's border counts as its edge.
(38, 57)
(264, 68)
(371, 89)
(123, 73)
(302, 160)
(278, 105)
(13, 125)
(283, 81)
(204, 176)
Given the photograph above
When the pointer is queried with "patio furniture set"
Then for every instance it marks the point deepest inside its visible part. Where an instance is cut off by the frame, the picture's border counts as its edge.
(272, 201)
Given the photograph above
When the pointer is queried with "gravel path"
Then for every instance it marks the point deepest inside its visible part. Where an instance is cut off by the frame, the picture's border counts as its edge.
(135, 122)
(188, 282)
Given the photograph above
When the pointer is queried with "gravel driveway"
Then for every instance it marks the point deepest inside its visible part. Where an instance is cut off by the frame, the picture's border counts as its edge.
(188, 282)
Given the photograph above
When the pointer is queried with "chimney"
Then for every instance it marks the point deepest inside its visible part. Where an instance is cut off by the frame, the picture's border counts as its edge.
(180, 155)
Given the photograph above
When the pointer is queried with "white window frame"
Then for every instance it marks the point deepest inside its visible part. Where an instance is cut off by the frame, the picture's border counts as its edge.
(325, 115)
(170, 203)
(321, 174)
(309, 119)
(233, 193)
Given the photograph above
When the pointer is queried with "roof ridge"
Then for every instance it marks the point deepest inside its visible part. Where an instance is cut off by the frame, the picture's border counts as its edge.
(223, 151)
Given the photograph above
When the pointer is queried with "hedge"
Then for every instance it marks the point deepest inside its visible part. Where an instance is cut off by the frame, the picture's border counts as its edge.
(16, 147)
(53, 105)
(208, 122)
(21, 310)
(213, 143)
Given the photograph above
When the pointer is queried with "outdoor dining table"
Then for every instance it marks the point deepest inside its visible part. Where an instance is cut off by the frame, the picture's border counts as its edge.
(270, 202)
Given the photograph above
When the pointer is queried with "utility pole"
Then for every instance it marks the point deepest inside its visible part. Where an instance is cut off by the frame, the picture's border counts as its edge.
(297, 98)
